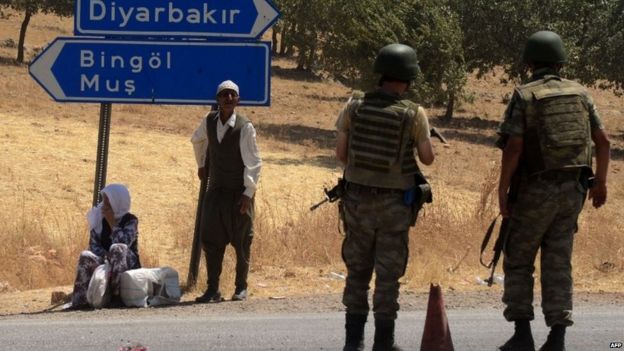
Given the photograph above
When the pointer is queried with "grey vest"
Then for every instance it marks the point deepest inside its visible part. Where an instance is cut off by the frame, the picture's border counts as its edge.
(381, 147)
(226, 162)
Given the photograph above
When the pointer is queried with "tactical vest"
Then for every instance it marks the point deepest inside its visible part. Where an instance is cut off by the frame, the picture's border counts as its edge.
(226, 167)
(557, 130)
(381, 146)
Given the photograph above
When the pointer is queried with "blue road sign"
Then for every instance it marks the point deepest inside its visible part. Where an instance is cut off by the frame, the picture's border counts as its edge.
(175, 18)
(159, 72)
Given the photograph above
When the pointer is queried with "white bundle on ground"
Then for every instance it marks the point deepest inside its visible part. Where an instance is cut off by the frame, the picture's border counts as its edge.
(150, 287)
(98, 294)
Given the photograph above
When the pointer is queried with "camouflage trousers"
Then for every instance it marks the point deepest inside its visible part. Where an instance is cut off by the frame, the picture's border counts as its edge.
(544, 217)
(120, 258)
(376, 240)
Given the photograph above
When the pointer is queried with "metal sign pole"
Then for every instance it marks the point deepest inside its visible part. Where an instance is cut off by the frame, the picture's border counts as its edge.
(191, 280)
(102, 151)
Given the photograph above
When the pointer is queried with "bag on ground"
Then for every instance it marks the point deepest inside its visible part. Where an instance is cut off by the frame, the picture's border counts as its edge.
(98, 294)
(149, 287)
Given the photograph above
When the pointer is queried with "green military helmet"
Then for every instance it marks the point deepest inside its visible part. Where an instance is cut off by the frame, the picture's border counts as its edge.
(545, 47)
(397, 61)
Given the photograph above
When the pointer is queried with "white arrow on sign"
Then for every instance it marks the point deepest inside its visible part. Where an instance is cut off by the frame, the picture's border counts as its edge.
(266, 15)
(41, 68)
(244, 19)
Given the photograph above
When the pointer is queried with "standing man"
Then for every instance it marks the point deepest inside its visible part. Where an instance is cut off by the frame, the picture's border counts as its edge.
(226, 151)
(377, 135)
(546, 135)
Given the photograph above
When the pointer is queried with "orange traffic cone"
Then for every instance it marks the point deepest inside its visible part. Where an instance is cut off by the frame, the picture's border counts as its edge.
(437, 335)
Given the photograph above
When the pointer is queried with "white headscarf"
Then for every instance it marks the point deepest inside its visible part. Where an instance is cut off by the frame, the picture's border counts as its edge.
(119, 198)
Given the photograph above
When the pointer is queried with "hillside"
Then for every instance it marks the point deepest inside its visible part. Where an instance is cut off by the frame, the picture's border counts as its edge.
(48, 165)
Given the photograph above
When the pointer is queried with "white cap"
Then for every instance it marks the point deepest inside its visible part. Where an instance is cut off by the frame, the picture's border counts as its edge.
(228, 84)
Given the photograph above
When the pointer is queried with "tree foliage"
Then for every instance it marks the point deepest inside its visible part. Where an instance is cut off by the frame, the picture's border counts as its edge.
(604, 46)
(593, 31)
(452, 38)
(435, 31)
(342, 37)
(32, 7)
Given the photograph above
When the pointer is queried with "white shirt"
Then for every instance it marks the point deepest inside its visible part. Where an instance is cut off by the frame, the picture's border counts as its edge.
(248, 148)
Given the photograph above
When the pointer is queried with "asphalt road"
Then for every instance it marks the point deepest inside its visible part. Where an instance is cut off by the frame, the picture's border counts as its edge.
(471, 329)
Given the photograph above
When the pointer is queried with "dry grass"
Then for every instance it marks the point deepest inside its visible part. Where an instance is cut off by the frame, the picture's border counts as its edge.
(48, 158)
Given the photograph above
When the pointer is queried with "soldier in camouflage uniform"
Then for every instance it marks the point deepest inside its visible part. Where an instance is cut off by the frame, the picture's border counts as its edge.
(546, 136)
(377, 135)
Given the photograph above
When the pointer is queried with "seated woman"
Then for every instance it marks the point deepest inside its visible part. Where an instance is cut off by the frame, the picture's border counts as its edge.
(113, 238)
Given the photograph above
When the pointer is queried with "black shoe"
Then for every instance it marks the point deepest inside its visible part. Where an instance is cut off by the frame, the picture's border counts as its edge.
(555, 340)
(522, 340)
(354, 327)
(210, 296)
(384, 336)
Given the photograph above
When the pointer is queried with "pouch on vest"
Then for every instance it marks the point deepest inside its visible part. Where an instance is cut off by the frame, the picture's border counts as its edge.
(563, 119)
(417, 196)
(558, 135)
(380, 146)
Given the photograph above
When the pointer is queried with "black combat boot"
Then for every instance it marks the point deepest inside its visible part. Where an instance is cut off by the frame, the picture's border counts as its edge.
(384, 335)
(522, 340)
(556, 339)
(354, 325)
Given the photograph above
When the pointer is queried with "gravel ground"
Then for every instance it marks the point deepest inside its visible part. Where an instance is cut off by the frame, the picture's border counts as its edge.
(410, 301)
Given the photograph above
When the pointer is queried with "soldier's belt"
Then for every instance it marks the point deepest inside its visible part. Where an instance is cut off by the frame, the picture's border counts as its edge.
(364, 189)
(558, 175)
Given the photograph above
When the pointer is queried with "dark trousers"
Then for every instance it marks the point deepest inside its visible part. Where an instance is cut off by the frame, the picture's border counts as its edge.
(214, 264)
(223, 224)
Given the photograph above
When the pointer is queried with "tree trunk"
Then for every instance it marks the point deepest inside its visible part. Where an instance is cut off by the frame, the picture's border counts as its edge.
(301, 61)
(274, 40)
(286, 46)
(282, 48)
(22, 37)
(311, 57)
(448, 116)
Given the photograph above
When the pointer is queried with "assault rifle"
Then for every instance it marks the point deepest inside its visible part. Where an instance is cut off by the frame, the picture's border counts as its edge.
(332, 194)
(503, 233)
(435, 133)
(337, 191)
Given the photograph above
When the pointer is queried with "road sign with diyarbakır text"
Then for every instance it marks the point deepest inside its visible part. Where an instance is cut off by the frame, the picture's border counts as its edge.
(158, 72)
(231, 19)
